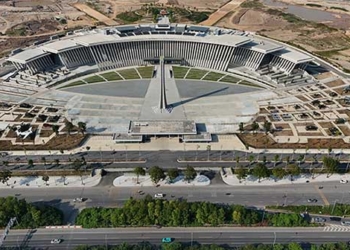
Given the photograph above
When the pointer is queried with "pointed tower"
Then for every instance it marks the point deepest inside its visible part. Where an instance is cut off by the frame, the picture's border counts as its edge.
(162, 102)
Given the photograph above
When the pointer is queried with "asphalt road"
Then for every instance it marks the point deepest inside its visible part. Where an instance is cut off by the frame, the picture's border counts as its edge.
(231, 236)
(254, 196)
(168, 159)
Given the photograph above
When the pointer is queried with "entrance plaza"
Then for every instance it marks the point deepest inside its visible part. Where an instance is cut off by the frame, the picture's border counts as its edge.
(173, 88)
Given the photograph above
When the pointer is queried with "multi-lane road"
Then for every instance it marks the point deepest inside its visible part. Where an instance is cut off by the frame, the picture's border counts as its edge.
(106, 194)
(168, 159)
(71, 238)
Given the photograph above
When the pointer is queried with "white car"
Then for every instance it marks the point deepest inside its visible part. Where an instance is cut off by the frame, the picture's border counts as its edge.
(56, 241)
(158, 195)
(78, 200)
(343, 181)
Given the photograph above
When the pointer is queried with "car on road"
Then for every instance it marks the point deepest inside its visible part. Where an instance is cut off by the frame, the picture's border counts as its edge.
(79, 199)
(167, 240)
(319, 220)
(345, 223)
(343, 181)
(160, 195)
(56, 241)
(335, 218)
(312, 200)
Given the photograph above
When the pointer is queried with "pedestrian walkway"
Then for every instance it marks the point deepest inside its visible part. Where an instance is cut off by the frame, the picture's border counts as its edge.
(336, 228)
(231, 179)
(131, 180)
(52, 182)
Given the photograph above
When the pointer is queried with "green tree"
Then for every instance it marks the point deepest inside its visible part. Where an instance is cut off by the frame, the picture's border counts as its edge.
(279, 173)
(5, 163)
(251, 159)
(46, 179)
(173, 173)
(255, 126)
(267, 126)
(5, 176)
(82, 127)
(241, 173)
(156, 174)
(57, 162)
(331, 165)
(69, 126)
(43, 159)
(261, 171)
(241, 127)
(189, 173)
(139, 171)
(77, 164)
(294, 170)
(55, 129)
(30, 163)
(276, 159)
(294, 246)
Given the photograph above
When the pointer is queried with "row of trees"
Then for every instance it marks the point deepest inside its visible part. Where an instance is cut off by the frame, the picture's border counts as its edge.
(261, 171)
(148, 211)
(28, 215)
(157, 174)
(77, 164)
(179, 246)
(69, 126)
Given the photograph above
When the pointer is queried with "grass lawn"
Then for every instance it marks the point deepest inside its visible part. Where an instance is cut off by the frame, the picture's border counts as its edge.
(129, 74)
(180, 72)
(146, 72)
(76, 83)
(230, 79)
(93, 79)
(111, 76)
(196, 74)
(213, 76)
(250, 84)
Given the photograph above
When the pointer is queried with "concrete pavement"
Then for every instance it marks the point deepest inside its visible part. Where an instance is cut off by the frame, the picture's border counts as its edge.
(222, 235)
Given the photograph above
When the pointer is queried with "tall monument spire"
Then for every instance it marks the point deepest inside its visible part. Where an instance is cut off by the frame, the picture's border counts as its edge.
(162, 102)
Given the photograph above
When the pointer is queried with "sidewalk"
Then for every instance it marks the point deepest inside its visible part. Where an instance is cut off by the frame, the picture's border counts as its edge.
(130, 180)
(232, 180)
(54, 182)
(224, 143)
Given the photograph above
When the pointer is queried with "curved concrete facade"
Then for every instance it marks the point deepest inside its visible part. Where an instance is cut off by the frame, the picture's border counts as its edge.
(127, 46)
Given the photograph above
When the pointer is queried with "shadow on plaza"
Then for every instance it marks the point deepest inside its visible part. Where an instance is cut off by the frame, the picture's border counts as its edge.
(198, 97)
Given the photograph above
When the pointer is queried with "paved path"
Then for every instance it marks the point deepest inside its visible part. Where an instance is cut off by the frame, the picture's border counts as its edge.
(231, 236)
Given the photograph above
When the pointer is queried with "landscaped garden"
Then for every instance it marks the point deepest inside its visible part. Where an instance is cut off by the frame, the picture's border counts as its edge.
(129, 74)
(146, 72)
(111, 76)
(180, 72)
(196, 73)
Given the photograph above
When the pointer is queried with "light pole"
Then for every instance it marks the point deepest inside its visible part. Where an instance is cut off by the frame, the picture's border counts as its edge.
(221, 153)
(335, 203)
(139, 152)
(197, 152)
(274, 241)
(208, 149)
(126, 153)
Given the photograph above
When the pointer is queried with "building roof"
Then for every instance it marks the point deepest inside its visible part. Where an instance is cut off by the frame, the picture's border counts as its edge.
(293, 56)
(28, 55)
(94, 39)
(61, 45)
(151, 127)
(263, 46)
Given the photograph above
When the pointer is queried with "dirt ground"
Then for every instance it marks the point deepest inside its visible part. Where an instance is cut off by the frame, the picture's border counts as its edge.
(327, 42)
